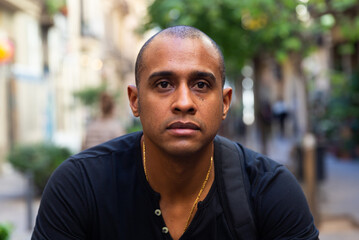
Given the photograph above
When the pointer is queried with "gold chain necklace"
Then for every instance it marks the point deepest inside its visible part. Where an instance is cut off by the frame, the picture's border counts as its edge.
(199, 193)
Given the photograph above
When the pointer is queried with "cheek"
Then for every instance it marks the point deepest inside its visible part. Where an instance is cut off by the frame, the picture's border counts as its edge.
(151, 112)
(214, 111)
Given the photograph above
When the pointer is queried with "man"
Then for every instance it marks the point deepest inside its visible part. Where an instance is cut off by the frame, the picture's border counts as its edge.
(176, 179)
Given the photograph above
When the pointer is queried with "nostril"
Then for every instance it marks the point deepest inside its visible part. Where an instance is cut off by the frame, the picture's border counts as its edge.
(190, 110)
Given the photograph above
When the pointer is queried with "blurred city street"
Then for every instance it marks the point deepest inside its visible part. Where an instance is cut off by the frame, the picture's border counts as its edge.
(13, 208)
(338, 197)
(293, 66)
(339, 200)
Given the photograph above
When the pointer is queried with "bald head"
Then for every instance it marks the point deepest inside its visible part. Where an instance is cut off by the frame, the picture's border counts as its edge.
(182, 32)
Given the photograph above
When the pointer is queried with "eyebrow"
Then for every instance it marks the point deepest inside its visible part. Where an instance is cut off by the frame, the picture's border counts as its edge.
(195, 74)
(206, 75)
(161, 74)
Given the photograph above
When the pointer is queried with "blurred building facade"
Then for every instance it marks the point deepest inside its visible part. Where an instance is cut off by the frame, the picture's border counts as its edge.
(57, 52)
(83, 43)
(20, 114)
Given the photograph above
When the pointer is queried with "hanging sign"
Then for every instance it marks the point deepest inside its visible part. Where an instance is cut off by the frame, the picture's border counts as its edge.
(6, 50)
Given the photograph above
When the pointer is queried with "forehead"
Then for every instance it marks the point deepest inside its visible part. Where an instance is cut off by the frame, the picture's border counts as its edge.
(168, 51)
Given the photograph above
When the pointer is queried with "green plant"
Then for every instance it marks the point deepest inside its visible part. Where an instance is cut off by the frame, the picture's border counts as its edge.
(89, 96)
(39, 159)
(340, 121)
(135, 126)
(251, 28)
(55, 6)
(5, 231)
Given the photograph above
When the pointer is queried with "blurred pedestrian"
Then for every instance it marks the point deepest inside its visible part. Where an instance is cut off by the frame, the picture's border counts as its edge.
(105, 127)
(280, 112)
(265, 124)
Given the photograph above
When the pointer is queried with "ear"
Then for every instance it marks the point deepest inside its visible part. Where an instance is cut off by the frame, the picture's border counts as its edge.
(227, 98)
(132, 93)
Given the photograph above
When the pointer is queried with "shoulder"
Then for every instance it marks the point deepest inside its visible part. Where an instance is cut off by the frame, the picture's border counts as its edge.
(105, 156)
(82, 185)
(117, 145)
(279, 206)
(261, 175)
(257, 168)
(118, 154)
(95, 164)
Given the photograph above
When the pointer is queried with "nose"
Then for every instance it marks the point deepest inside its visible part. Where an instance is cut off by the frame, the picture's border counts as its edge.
(183, 100)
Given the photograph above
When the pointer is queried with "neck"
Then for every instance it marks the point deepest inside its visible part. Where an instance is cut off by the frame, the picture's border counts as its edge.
(182, 181)
(178, 178)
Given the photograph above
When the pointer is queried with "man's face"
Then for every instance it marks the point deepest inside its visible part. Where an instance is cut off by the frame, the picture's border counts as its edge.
(180, 99)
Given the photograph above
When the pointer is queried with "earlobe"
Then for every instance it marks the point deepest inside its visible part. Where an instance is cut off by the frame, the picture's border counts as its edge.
(132, 93)
(227, 98)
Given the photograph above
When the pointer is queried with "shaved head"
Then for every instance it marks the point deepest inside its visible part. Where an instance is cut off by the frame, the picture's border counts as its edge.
(182, 32)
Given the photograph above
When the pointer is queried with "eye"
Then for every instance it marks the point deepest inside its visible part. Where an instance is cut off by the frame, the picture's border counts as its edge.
(201, 85)
(163, 84)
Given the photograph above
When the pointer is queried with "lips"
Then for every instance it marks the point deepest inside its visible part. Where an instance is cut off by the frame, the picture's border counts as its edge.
(181, 125)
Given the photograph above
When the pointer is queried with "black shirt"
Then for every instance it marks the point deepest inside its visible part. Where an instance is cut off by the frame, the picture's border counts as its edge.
(102, 193)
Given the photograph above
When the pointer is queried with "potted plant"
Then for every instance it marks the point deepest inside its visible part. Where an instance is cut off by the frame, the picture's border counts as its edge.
(38, 159)
(5, 231)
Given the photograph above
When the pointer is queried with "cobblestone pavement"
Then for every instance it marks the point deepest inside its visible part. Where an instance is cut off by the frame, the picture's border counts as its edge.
(13, 207)
(339, 200)
(338, 197)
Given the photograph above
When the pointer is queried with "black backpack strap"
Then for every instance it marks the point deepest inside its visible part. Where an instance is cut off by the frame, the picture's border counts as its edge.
(233, 195)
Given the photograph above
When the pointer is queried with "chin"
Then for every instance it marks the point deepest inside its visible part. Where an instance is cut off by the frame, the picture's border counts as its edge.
(184, 149)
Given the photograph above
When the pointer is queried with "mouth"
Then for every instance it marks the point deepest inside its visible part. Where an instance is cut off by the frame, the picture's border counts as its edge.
(182, 125)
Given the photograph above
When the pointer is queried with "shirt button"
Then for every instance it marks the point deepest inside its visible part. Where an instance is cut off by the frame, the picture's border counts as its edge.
(164, 230)
(158, 212)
